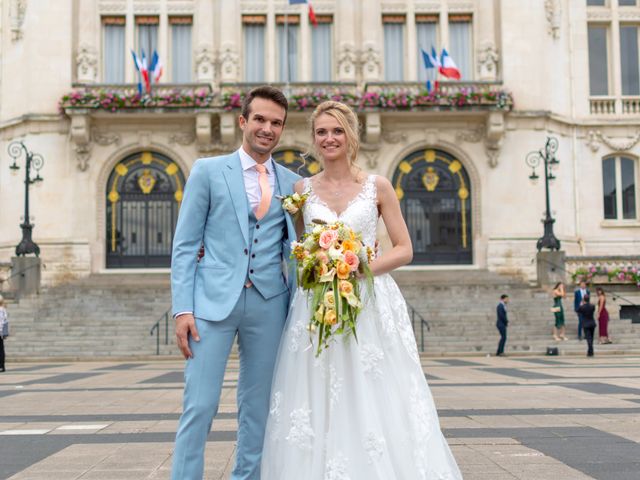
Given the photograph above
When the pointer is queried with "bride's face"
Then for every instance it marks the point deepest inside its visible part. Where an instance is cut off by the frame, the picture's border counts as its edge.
(329, 138)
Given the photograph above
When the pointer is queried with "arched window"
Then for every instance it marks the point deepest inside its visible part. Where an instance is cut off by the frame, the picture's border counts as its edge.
(619, 181)
(293, 160)
(144, 192)
(435, 196)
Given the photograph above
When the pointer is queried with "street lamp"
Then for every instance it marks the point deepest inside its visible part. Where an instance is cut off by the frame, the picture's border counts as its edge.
(33, 160)
(548, 158)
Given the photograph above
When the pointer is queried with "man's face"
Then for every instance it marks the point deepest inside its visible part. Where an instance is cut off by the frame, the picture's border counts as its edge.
(262, 130)
(506, 300)
(583, 286)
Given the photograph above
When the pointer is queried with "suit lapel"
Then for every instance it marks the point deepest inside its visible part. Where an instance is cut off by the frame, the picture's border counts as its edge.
(286, 188)
(237, 192)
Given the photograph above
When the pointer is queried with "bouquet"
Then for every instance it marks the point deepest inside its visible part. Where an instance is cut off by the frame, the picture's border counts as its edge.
(330, 259)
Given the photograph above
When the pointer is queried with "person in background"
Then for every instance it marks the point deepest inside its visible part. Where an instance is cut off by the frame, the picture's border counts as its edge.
(603, 317)
(4, 331)
(586, 310)
(559, 293)
(502, 322)
(578, 296)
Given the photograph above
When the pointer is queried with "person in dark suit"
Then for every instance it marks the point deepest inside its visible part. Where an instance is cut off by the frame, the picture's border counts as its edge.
(578, 297)
(588, 322)
(502, 322)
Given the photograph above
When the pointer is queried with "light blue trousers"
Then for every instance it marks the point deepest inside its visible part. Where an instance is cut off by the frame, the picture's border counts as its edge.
(258, 324)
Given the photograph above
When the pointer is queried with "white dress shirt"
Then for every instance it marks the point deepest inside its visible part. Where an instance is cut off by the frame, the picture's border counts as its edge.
(250, 175)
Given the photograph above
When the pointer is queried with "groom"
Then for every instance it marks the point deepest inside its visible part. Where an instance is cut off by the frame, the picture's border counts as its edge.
(238, 288)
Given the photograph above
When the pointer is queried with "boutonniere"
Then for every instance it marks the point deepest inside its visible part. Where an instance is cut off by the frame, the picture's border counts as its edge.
(293, 203)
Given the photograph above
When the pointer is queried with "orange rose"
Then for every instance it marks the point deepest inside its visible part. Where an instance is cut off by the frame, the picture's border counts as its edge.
(345, 287)
(343, 270)
(349, 246)
(330, 317)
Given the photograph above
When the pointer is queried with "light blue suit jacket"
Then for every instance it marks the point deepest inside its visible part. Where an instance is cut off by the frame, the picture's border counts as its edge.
(215, 211)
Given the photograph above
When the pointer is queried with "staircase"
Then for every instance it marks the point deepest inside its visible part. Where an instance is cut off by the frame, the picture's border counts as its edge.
(460, 307)
(111, 315)
(100, 315)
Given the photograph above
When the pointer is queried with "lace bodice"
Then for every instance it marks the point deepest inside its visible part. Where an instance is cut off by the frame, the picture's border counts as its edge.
(360, 214)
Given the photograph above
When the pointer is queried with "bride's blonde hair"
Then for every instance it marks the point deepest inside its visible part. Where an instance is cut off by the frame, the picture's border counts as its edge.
(347, 120)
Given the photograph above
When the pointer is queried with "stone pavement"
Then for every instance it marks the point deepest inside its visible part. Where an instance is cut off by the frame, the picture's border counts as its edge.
(539, 418)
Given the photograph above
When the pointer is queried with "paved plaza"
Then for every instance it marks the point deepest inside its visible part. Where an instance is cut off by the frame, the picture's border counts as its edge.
(566, 418)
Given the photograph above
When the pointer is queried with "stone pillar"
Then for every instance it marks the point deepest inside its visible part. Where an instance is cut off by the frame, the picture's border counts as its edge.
(204, 40)
(372, 42)
(550, 268)
(345, 31)
(27, 275)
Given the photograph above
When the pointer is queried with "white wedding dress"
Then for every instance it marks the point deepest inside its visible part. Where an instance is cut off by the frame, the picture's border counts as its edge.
(361, 410)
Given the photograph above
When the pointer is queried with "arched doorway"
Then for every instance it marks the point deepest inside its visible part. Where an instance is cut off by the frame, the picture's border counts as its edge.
(144, 192)
(435, 195)
(293, 160)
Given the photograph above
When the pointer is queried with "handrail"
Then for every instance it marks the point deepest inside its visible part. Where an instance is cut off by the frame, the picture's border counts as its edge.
(423, 323)
(614, 295)
(156, 328)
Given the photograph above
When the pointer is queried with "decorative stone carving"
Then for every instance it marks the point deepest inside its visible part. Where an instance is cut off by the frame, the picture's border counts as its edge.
(227, 127)
(472, 136)
(370, 62)
(87, 64)
(488, 62)
(373, 127)
(552, 13)
(203, 128)
(460, 7)
(184, 7)
(205, 64)
(393, 137)
(394, 7)
(112, 6)
(595, 138)
(347, 62)
(83, 154)
(495, 130)
(182, 138)
(17, 11)
(104, 138)
(229, 63)
(146, 7)
(427, 7)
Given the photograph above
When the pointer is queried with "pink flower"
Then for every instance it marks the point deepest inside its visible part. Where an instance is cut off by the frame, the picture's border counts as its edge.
(327, 238)
(322, 257)
(593, 269)
(352, 260)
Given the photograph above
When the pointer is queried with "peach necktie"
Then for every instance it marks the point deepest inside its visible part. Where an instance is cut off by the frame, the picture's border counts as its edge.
(265, 190)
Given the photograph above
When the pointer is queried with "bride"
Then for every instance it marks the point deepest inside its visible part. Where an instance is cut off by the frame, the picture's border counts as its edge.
(361, 410)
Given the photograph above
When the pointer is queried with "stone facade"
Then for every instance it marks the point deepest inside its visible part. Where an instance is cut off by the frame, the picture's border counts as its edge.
(538, 53)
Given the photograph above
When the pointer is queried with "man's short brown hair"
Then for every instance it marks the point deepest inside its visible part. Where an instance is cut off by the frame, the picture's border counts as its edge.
(267, 92)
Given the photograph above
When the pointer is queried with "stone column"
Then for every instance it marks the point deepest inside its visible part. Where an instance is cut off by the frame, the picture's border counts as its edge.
(345, 24)
(487, 53)
(372, 41)
(230, 40)
(412, 44)
(204, 40)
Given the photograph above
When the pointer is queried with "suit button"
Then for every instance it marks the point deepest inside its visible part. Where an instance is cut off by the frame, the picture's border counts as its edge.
(246, 252)
(255, 241)
(253, 255)
(257, 226)
(251, 271)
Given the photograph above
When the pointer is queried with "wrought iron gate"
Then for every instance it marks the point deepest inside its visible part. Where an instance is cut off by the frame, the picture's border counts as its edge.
(143, 198)
(434, 192)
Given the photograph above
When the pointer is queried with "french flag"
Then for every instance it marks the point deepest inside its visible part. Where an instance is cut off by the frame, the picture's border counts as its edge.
(156, 68)
(448, 67)
(138, 64)
(144, 70)
(312, 14)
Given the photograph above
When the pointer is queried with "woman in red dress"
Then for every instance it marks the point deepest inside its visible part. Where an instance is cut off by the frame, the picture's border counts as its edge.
(603, 317)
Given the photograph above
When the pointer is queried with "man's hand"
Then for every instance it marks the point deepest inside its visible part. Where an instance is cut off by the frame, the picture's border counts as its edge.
(185, 326)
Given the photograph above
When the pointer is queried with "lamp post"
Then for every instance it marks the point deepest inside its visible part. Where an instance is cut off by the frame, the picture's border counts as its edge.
(16, 150)
(548, 158)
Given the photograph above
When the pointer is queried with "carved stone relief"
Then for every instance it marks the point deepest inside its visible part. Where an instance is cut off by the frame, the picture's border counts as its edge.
(495, 130)
(87, 64)
(17, 12)
(552, 13)
(205, 64)
(182, 138)
(370, 62)
(229, 63)
(347, 62)
(595, 138)
(488, 61)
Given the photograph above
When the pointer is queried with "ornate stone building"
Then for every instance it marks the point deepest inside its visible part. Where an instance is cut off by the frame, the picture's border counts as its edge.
(116, 163)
